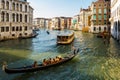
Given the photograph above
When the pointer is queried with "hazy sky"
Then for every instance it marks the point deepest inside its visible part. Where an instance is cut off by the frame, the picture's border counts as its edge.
(57, 8)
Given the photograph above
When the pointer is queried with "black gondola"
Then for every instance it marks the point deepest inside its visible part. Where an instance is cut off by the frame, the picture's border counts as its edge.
(39, 67)
(48, 32)
(31, 36)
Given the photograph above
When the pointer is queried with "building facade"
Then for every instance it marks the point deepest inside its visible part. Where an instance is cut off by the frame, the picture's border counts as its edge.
(15, 19)
(39, 22)
(100, 16)
(47, 24)
(69, 22)
(63, 22)
(84, 18)
(115, 19)
(55, 23)
(75, 22)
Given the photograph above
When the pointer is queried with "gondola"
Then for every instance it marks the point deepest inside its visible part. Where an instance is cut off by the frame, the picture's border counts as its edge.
(40, 66)
(31, 36)
(48, 32)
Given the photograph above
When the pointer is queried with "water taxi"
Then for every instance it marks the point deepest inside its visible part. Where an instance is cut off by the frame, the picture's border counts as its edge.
(65, 37)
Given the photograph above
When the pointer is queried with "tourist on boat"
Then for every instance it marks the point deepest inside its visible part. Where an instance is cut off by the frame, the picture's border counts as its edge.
(4, 66)
(35, 64)
(60, 58)
(44, 62)
(56, 59)
(52, 61)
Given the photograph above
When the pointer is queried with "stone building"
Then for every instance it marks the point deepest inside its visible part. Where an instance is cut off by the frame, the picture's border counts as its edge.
(100, 16)
(15, 19)
(75, 22)
(115, 19)
(84, 18)
(69, 22)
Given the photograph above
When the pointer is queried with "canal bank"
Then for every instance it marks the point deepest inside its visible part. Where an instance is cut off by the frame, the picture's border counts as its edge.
(94, 61)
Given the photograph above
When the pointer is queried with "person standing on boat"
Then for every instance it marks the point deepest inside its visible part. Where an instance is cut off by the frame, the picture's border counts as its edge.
(4, 66)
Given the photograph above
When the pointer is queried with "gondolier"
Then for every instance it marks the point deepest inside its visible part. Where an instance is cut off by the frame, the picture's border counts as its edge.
(4, 65)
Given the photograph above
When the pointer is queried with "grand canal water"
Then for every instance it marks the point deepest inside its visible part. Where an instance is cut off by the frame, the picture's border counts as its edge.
(95, 61)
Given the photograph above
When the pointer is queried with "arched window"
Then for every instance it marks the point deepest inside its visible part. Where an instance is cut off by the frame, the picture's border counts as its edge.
(104, 28)
(13, 28)
(25, 8)
(17, 7)
(94, 29)
(17, 28)
(20, 7)
(13, 6)
(17, 18)
(7, 17)
(20, 28)
(20, 17)
(3, 4)
(7, 5)
(99, 28)
(25, 18)
(13, 17)
(3, 17)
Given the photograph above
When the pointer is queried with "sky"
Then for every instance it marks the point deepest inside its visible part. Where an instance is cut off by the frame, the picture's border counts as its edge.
(57, 8)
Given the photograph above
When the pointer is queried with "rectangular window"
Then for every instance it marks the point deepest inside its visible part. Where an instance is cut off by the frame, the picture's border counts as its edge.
(94, 22)
(94, 10)
(26, 28)
(105, 16)
(7, 29)
(17, 28)
(99, 17)
(105, 22)
(20, 28)
(2, 29)
(94, 17)
(99, 22)
(13, 28)
(100, 11)
(105, 11)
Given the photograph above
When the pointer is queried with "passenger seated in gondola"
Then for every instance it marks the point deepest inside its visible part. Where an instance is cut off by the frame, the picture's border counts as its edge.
(49, 61)
(52, 61)
(44, 62)
(35, 64)
(60, 58)
(56, 59)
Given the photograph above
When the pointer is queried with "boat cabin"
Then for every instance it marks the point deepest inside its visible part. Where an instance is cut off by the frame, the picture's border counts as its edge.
(65, 38)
